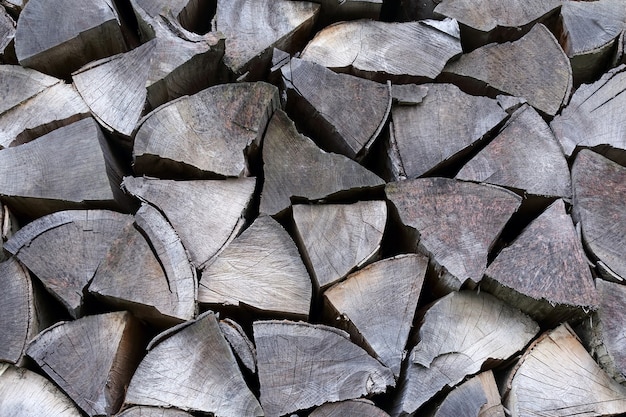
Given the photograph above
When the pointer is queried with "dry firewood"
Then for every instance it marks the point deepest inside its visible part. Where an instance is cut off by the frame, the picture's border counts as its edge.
(337, 238)
(534, 67)
(206, 214)
(260, 268)
(408, 94)
(241, 344)
(146, 271)
(192, 367)
(454, 223)
(7, 34)
(8, 226)
(556, 376)
(378, 309)
(91, 359)
(352, 408)
(510, 103)
(24, 393)
(544, 272)
(84, 235)
(476, 397)
(525, 156)
(461, 334)
(145, 411)
(57, 38)
(254, 27)
(599, 188)
(213, 132)
(295, 167)
(593, 117)
(434, 133)
(402, 52)
(344, 113)
(13, 7)
(194, 16)
(317, 363)
(341, 10)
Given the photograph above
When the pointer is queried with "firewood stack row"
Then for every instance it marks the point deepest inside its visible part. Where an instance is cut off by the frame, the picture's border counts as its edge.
(312, 208)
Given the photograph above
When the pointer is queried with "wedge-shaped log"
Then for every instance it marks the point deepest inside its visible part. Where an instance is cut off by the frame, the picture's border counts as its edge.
(241, 344)
(378, 304)
(402, 52)
(57, 38)
(192, 367)
(454, 223)
(253, 27)
(144, 411)
(337, 238)
(24, 393)
(317, 363)
(534, 67)
(192, 15)
(433, 133)
(345, 113)
(7, 36)
(91, 359)
(524, 156)
(206, 214)
(476, 397)
(295, 167)
(262, 269)
(84, 235)
(213, 132)
(354, 408)
(557, 377)
(461, 334)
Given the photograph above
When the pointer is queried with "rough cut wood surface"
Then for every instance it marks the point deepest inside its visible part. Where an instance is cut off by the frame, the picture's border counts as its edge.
(144, 411)
(476, 397)
(354, 408)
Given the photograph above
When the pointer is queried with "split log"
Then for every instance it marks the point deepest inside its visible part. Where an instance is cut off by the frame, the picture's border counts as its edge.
(317, 363)
(192, 367)
(262, 269)
(433, 133)
(214, 132)
(8, 226)
(91, 359)
(52, 39)
(206, 214)
(352, 408)
(408, 94)
(461, 334)
(84, 235)
(534, 67)
(544, 272)
(254, 27)
(337, 238)
(194, 16)
(344, 113)
(377, 309)
(13, 7)
(510, 103)
(400, 52)
(24, 393)
(599, 192)
(7, 35)
(525, 156)
(295, 167)
(153, 412)
(454, 223)
(476, 397)
(557, 377)
(240, 343)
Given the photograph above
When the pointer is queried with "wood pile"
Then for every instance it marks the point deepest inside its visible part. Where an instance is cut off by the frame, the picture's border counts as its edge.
(312, 208)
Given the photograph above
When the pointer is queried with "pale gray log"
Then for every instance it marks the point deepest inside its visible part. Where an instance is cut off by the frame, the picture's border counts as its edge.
(241, 344)
(7, 34)
(408, 94)
(146, 411)
(18, 84)
(476, 397)
(510, 103)
(352, 408)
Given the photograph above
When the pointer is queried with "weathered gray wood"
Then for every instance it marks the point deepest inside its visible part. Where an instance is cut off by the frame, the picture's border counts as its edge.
(461, 334)
(8, 226)
(337, 238)
(430, 134)
(57, 38)
(317, 363)
(295, 167)
(344, 113)
(213, 132)
(454, 223)
(145, 411)
(534, 67)
(241, 344)
(557, 377)
(378, 303)
(260, 268)
(402, 52)
(193, 368)
(24, 393)
(92, 359)
(206, 214)
(525, 156)
(18, 84)
(352, 408)
(476, 397)
(84, 235)
(7, 35)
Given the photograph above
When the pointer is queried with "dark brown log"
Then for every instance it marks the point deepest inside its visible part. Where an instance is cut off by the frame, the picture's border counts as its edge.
(92, 359)
(260, 268)
(213, 132)
(337, 238)
(240, 343)
(461, 334)
(152, 412)
(295, 167)
(7, 35)
(317, 363)
(454, 223)
(352, 408)
(477, 397)
(193, 368)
